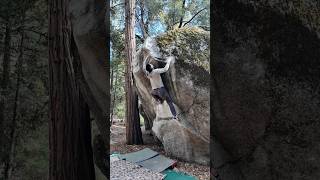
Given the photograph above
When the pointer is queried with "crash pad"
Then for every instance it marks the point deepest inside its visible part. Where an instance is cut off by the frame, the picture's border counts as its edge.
(147, 161)
(138, 156)
(157, 163)
(174, 175)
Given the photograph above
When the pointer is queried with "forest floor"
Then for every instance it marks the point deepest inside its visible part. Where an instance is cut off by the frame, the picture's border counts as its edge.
(118, 145)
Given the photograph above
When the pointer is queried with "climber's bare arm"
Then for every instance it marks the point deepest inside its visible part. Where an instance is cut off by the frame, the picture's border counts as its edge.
(165, 69)
(145, 65)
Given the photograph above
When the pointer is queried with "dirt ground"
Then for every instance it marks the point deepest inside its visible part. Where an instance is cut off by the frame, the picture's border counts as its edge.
(118, 145)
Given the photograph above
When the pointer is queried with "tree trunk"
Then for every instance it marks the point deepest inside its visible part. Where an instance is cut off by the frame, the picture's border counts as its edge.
(111, 80)
(133, 131)
(143, 25)
(5, 82)
(69, 125)
(182, 16)
(113, 101)
(12, 135)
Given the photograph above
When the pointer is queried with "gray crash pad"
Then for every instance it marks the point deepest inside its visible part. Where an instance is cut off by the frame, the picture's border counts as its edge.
(157, 163)
(138, 156)
(149, 159)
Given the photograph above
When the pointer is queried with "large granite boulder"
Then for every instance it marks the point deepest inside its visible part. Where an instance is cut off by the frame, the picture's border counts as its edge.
(187, 81)
(89, 30)
(266, 96)
(90, 35)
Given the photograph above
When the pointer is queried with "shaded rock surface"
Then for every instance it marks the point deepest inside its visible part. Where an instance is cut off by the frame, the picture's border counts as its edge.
(89, 30)
(90, 36)
(265, 105)
(187, 81)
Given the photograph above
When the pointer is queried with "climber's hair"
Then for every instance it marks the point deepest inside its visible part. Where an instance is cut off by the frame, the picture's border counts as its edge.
(149, 68)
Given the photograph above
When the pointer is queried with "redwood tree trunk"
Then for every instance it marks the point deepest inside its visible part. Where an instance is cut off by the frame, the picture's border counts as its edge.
(133, 131)
(69, 125)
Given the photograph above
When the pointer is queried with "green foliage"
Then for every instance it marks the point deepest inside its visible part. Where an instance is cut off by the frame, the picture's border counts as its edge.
(117, 67)
(117, 60)
(169, 13)
(154, 7)
(192, 44)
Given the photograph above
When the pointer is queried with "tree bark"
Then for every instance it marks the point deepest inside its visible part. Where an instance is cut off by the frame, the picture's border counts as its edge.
(69, 125)
(13, 135)
(5, 80)
(133, 131)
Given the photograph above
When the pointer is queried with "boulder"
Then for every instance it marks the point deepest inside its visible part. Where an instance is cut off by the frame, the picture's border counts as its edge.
(187, 81)
(266, 97)
(90, 35)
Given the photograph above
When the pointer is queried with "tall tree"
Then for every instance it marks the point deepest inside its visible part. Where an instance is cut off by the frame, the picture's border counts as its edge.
(70, 131)
(143, 24)
(133, 131)
(13, 126)
(22, 93)
(5, 79)
(114, 84)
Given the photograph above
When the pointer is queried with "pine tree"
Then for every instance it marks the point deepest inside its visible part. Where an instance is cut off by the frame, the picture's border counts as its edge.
(133, 131)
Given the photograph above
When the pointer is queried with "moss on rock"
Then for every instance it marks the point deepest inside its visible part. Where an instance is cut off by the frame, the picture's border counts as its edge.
(189, 45)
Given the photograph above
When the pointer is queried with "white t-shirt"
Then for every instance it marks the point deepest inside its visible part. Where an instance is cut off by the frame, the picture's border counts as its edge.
(154, 76)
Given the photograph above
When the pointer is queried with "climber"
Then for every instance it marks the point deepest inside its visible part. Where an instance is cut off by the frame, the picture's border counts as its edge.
(158, 90)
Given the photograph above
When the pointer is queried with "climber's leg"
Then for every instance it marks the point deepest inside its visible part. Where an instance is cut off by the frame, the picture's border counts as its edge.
(168, 98)
(156, 95)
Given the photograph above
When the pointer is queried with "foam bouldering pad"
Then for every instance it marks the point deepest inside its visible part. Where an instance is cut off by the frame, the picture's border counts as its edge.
(138, 156)
(174, 175)
(157, 163)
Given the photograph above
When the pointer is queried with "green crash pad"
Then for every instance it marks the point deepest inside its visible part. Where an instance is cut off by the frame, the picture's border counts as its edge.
(157, 163)
(173, 175)
(149, 159)
(138, 156)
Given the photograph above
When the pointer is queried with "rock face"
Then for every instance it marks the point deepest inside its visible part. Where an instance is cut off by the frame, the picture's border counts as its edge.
(187, 81)
(88, 21)
(265, 106)
(90, 35)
